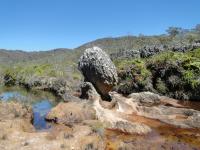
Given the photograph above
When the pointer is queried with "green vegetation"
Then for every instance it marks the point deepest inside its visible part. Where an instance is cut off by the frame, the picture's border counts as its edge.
(167, 72)
(188, 64)
(57, 66)
(161, 86)
(163, 73)
(137, 70)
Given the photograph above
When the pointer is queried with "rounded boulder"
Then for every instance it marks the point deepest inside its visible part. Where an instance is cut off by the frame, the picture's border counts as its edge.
(97, 68)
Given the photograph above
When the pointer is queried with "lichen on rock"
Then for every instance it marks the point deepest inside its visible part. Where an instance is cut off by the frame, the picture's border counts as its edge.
(97, 68)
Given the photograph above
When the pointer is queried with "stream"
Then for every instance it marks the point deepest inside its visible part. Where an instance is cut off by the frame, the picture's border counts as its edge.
(41, 102)
(163, 136)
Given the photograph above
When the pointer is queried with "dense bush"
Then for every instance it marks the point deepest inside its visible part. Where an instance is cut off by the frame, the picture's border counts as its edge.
(174, 74)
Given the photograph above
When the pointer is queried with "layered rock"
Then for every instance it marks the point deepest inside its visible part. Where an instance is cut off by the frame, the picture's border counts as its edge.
(158, 107)
(97, 68)
(81, 130)
(71, 113)
(17, 132)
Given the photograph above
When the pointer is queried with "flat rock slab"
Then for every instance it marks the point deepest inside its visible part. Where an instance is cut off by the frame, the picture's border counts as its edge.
(157, 107)
(71, 113)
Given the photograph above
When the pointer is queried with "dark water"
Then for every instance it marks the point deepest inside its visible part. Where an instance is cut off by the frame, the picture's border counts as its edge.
(41, 102)
(163, 136)
(40, 109)
(191, 104)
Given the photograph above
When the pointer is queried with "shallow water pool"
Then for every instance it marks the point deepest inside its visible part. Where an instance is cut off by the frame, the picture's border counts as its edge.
(41, 102)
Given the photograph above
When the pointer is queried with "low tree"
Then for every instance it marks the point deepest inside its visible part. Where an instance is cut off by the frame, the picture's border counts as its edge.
(173, 31)
(197, 28)
(190, 38)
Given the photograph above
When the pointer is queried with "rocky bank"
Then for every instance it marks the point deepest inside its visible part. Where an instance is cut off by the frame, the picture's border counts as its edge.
(138, 121)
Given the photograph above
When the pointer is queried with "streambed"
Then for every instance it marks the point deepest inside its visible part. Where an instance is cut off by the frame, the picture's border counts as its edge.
(163, 136)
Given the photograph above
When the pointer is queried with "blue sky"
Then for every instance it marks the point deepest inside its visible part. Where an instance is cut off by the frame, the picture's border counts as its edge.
(48, 24)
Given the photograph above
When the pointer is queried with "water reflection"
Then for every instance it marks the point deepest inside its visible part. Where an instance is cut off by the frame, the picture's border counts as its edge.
(40, 109)
(40, 101)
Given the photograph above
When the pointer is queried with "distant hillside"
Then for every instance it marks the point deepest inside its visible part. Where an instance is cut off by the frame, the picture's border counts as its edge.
(13, 56)
(113, 45)
(125, 42)
(110, 45)
(20, 66)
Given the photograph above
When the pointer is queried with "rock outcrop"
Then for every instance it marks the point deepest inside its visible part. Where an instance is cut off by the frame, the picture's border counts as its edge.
(185, 47)
(71, 113)
(145, 98)
(58, 86)
(148, 51)
(17, 132)
(97, 68)
(151, 50)
(125, 54)
(139, 113)
(88, 91)
(161, 108)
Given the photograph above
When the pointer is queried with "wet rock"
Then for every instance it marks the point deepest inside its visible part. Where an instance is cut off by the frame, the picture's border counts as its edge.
(71, 113)
(154, 144)
(17, 132)
(159, 108)
(87, 133)
(180, 117)
(98, 69)
(112, 119)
